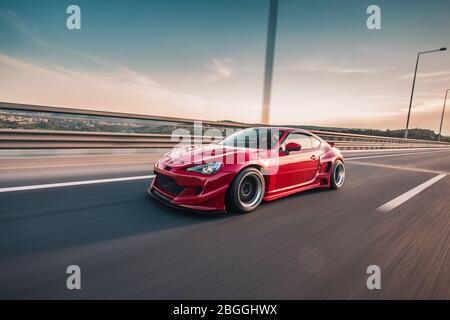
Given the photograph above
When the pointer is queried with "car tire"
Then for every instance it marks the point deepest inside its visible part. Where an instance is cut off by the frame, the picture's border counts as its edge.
(337, 176)
(246, 191)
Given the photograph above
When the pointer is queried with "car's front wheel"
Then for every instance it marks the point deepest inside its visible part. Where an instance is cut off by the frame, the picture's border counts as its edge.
(338, 175)
(247, 190)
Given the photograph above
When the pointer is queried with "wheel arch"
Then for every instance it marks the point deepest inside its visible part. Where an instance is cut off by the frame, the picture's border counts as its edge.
(251, 165)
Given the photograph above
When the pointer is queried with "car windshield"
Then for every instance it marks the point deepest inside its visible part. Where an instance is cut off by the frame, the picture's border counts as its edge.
(254, 138)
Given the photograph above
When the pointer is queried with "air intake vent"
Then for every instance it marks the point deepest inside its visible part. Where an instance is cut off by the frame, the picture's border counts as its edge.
(168, 184)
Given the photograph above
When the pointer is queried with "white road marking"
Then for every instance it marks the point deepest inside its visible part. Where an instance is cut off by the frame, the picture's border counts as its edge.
(73, 183)
(390, 155)
(87, 182)
(404, 168)
(408, 195)
(394, 150)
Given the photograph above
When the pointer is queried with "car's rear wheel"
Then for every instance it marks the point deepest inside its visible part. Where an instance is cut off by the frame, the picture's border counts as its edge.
(247, 190)
(338, 175)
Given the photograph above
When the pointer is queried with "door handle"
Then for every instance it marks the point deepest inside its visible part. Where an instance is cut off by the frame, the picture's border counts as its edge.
(313, 157)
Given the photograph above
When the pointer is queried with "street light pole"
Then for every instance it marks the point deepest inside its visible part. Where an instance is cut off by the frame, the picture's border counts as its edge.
(270, 54)
(410, 100)
(442, 117)
(414, 83)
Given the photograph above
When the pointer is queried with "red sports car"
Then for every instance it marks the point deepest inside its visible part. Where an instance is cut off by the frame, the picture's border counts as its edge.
(246, 168)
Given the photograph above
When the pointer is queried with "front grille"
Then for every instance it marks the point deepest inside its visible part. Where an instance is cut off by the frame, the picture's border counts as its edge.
(168, 184)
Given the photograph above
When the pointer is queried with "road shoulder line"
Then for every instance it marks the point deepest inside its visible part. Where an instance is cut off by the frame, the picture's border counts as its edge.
(73, 183)
(390, 155)
(394, 203)
(387, 166)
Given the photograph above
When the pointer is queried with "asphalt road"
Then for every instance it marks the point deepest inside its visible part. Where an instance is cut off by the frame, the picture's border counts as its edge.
(317, 244)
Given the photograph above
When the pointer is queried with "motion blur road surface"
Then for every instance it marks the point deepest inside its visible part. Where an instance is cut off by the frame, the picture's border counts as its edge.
(316, 244)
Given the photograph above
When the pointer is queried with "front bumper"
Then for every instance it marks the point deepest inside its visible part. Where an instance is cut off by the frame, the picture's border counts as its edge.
(152, 192)
(191, 190)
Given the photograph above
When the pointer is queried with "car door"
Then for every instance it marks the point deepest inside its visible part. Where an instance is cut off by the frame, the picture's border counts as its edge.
(297, 167)
(310, 163)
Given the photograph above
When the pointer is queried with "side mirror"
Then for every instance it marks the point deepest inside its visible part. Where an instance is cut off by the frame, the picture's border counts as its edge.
(292, 146)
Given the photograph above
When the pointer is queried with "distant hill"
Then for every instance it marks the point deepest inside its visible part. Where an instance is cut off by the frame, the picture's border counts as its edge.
(24, 119)
(422, 134)
(417, 133)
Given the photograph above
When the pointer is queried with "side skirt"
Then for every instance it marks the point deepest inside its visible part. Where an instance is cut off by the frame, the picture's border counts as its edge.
(285, 193)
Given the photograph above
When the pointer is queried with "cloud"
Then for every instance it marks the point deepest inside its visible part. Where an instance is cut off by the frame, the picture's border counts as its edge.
(437, 75)
(426, 106)
(220, 69)
(339, 68)
(28, 29)
(101, 84)
(381, 96)
(22, 25)
(120, 89)
(428, 120)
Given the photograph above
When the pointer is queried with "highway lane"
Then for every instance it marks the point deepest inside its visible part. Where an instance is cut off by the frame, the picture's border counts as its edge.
(312, 245)
(26, 170)
(30, 167)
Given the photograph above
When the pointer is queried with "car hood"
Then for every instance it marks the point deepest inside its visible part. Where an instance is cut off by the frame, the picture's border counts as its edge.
(185, 157)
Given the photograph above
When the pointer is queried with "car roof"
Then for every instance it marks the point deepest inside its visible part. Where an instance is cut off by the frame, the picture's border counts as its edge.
(290, 130)
(286, 129)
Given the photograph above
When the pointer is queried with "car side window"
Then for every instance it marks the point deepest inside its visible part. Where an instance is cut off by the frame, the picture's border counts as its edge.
(300, 138)
(315, 142)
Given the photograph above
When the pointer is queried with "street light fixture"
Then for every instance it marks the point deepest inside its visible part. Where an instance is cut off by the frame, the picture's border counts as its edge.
(414, 82)
(442, 117)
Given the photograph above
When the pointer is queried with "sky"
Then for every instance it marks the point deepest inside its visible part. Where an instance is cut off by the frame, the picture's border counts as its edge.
(205, 59)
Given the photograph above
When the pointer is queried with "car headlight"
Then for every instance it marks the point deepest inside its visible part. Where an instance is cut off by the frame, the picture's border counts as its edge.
(207, 168)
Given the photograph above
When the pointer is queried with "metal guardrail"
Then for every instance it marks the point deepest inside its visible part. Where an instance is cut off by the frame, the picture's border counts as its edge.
(54, 139)
(108, 114)
(38, 139)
